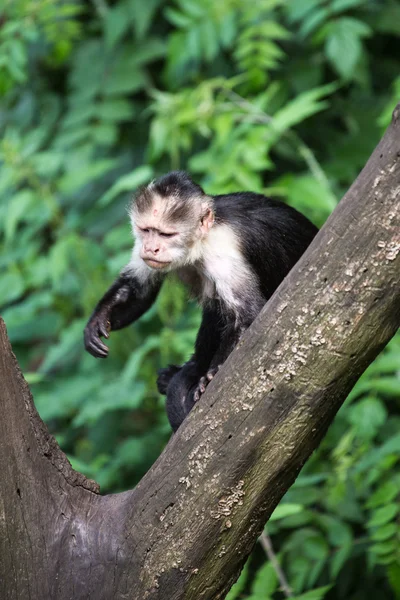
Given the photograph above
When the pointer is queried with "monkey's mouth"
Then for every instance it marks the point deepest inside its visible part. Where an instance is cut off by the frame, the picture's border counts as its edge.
(156, 264)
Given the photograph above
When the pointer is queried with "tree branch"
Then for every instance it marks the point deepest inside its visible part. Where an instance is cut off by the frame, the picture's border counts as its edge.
(185, 531)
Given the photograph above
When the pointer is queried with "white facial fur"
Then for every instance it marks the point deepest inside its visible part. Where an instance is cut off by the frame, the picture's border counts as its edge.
(137, 267)
(165, 244)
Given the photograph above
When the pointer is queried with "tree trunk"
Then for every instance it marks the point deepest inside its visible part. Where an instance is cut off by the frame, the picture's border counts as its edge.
(186, 529)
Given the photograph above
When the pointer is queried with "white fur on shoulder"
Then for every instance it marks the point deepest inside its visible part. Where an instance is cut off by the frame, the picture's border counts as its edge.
(226, 269)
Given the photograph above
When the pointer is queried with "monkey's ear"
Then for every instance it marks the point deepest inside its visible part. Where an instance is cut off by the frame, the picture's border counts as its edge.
(207, 221)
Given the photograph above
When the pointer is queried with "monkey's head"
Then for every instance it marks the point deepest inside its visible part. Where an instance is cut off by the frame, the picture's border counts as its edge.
(171, 217)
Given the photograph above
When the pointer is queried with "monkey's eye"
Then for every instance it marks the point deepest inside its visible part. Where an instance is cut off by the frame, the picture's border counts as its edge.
(146, 230)
(167, 235)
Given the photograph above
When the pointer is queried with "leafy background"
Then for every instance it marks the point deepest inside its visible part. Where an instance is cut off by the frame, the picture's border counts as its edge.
(283, 97)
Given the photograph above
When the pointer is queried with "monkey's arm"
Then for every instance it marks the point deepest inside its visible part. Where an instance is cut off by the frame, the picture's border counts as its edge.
(125, 301)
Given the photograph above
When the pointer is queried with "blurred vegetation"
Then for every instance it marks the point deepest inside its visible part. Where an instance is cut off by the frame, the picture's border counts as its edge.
(283, 97)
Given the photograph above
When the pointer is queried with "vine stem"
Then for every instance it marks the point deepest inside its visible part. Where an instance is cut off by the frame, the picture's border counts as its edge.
(266, 543)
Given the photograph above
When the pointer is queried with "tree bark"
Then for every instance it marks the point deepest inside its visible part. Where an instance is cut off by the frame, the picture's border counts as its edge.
(185, 531)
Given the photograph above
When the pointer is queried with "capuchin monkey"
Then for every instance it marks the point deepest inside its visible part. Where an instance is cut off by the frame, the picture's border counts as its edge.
(232, 251)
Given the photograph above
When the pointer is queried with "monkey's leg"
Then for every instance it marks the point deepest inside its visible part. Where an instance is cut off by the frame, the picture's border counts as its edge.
(182, 382)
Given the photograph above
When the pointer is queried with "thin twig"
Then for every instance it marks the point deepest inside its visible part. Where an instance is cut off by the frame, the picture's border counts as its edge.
(266, 543)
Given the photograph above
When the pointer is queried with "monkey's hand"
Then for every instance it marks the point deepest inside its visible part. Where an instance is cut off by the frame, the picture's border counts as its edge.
(164, 377)
(98, 325)
(203, 383)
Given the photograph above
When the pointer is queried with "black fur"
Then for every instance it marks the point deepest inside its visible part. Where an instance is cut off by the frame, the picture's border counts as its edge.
(272, 236)
(122, 304)
(177, 183)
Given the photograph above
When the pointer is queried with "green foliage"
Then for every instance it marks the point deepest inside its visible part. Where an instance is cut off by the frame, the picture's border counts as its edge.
(265, 585)
(25, 25)
(281, 97)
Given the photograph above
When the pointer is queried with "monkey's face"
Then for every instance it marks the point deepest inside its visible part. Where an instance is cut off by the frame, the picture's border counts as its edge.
(160, 248)
(170, 241)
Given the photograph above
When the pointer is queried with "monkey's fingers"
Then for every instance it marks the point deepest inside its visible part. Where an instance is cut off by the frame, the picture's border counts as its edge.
(97, 348)
(211, 373)
(201, 388)
(202, 385)
(104, 329)
(94, 345)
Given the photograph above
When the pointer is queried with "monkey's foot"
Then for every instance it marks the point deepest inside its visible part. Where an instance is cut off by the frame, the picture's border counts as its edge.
(164, 377)
(203, 383)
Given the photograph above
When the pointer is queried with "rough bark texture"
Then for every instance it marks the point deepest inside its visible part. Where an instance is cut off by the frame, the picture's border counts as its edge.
(186, 529)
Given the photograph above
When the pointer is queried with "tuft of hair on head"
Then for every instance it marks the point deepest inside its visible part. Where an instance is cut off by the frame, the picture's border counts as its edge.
(180, 198)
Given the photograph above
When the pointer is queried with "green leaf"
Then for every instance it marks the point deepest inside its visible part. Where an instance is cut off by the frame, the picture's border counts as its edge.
(339, 533)
(265, 581)
(111, 397)
(385, 532)
(209, 39)
(340, 558)
(178, 18)
(105, 134)
(116, 109)
(149, 50)
(389, 386)
(388, 21)
(317, 594)
(342, 5)
(387, 547)
(127, 183)
(274, 30)
(303, 106)
(133, 365)
(308, 194)
(285, 510)
(343, 46)
(142, 15)
(393, 573)
(67, 349)
(116, 24)
(367, 416)
(124, 78)
(41, 327)
(12, 287)
(376, 455)
(314, 21)
(384, 494)
(383, 515)
(74, 180)
(16, 211)
(297, 11)
(72, 393)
